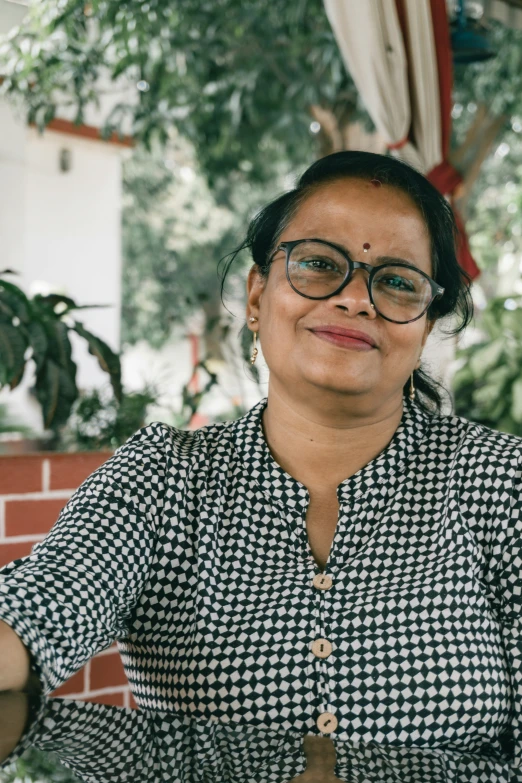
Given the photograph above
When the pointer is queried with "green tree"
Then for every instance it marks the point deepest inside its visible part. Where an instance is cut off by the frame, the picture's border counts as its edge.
(245, 84)
(241, 81)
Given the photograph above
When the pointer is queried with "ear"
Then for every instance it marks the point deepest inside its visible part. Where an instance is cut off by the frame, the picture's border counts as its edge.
(255, 287)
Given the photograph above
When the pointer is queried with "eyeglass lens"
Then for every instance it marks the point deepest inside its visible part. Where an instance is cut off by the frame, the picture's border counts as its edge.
(399, 293)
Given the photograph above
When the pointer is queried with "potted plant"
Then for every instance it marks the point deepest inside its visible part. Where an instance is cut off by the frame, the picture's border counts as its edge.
(37, 330)
(100, 422)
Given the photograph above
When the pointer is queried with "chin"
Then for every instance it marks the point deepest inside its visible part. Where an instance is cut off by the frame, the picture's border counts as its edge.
(333, 382)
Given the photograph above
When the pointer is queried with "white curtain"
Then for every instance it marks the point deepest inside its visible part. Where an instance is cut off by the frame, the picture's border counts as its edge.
(371, 42)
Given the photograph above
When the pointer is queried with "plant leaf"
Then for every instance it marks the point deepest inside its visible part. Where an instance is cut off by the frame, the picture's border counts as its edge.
(107, 359)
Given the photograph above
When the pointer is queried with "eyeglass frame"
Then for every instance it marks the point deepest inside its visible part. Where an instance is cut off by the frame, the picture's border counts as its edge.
(436, 290)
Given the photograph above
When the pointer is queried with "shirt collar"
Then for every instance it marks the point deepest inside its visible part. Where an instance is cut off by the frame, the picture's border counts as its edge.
(281, 488)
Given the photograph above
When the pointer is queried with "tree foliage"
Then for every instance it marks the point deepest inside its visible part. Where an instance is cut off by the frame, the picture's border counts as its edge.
(488, 386)
(237, 78)
(174, 234)
(242, 84)
(240, 80)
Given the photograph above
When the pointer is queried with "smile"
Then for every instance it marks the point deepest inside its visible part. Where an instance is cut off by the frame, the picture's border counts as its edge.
(343, 341)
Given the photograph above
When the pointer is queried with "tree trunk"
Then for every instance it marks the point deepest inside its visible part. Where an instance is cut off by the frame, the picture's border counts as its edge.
(469, 157)
(213, 335)
(338, 132)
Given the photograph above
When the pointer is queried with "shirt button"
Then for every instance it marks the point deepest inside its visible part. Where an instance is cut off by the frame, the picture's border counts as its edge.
(322, 648)
(322, 581)
(327, 722)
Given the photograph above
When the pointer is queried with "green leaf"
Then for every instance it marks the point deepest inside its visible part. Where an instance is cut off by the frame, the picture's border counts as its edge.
(59, 346)
(56, 392)
(486, 397)
(107, 359)
(486, 357)
(13, 302)
(13, 345)
(39, 343)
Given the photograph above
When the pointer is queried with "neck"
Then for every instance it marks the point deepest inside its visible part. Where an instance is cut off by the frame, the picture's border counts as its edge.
(322, 445)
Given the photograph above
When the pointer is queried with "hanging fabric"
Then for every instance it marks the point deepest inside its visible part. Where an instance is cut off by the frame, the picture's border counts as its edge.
(398, 54)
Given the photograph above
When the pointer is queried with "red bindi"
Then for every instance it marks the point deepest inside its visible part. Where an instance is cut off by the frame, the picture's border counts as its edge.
(366, 247)
(376, 183)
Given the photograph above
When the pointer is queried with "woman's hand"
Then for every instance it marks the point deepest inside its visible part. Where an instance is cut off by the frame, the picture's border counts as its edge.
(14, 715)
(320, 761)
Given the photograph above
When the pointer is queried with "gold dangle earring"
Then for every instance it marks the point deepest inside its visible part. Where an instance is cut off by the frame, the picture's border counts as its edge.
(254, 348)
(412, 389)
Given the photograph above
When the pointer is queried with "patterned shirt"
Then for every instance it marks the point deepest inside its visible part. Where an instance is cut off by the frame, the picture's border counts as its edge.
(190, 549)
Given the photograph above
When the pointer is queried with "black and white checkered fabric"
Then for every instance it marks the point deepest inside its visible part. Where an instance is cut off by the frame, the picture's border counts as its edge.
(103, 744)
(190, 549)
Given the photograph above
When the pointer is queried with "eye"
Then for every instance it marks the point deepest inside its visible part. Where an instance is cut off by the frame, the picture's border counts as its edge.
(317, 263)
(396, 282)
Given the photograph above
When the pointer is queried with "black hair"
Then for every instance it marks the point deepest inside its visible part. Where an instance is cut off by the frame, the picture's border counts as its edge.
(266, 227)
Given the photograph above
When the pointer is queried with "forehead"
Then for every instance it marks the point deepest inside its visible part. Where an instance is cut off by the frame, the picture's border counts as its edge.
(351, 212)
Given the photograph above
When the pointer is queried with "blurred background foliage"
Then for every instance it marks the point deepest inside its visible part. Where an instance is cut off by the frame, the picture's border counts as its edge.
(488, 384)
(37, 766)
(227, 103)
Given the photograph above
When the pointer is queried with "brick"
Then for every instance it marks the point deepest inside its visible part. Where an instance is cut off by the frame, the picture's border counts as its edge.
(68, 471)
(20, 474)
(10, 552)
(76, 684)
(31, 517)
(106, 671)
(114, 699)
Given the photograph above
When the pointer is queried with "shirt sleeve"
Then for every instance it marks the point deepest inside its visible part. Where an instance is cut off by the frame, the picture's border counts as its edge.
(509, 583)
(74, 595)
(97, 742)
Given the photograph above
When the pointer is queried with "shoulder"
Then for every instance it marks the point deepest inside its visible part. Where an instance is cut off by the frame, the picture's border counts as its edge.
(161, 442)
(483, 458)
(478, 439)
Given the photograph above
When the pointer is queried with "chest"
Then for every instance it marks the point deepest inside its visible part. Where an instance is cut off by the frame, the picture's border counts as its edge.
(321, 522)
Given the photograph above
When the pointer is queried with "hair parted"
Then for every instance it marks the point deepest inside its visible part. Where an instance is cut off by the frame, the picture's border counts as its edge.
(266, 227)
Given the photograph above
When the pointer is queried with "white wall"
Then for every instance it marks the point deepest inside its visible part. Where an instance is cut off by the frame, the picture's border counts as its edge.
(12, 190)
(73, 237)
(62, 229)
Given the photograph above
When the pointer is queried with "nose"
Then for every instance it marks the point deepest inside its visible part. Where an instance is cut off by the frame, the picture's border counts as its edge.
(355, 296)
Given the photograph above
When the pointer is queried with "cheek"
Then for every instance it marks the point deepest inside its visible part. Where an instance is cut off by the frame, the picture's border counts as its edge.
(283, 305)
(404, 341)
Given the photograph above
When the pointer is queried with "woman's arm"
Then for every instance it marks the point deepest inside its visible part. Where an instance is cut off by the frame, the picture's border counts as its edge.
(76, 592)
(16, 665)
(14, 716)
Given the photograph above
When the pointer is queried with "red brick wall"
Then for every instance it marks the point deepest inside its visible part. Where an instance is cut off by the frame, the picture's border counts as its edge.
(33, 490)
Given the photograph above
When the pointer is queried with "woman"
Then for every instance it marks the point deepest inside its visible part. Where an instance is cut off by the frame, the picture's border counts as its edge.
(341, 563)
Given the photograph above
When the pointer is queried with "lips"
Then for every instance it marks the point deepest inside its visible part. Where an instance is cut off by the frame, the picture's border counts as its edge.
(352, 334)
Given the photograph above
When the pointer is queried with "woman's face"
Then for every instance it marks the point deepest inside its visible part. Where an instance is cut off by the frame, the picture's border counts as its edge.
(349, 213)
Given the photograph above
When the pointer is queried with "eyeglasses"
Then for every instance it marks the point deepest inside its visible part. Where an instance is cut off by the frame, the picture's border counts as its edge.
(317, 269)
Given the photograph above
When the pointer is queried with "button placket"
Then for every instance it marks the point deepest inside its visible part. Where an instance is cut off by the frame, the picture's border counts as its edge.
(322, 648)
(327, 722)
(322, 581)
